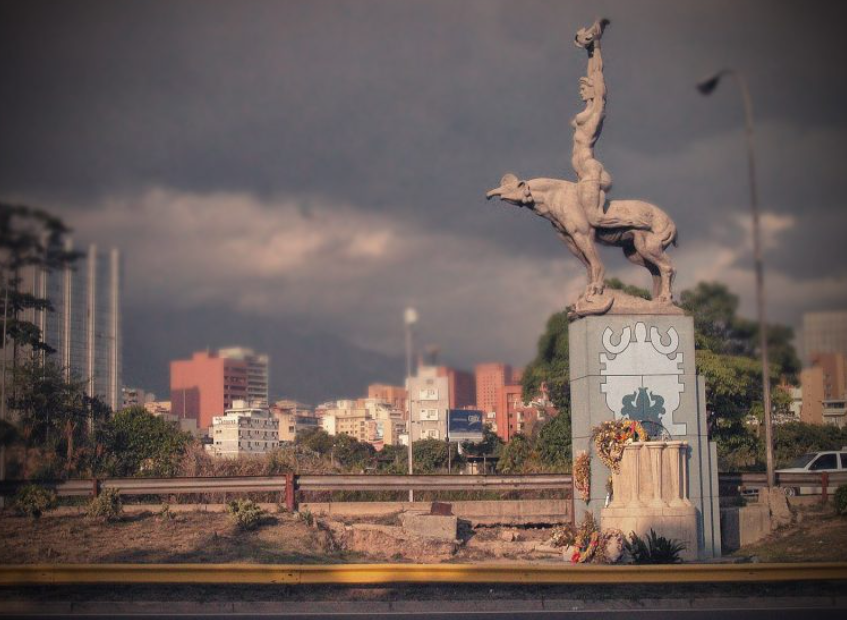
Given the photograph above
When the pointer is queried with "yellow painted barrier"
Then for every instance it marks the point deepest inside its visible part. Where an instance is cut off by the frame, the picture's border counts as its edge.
(78, 574)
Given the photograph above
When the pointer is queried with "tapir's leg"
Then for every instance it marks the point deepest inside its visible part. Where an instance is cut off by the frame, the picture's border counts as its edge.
(596, 270)
(650, 247)
(576, 252)
(634, 257)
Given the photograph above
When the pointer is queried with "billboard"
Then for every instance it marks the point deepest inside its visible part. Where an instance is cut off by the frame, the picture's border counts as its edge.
(464, 424)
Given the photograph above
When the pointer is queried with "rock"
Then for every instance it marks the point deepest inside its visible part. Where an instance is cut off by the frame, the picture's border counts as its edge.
(509, 536)
(439, 527)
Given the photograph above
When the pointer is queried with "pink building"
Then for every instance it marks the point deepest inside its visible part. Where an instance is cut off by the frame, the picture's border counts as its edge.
(461, 386)
(206, 386)
(490, 379)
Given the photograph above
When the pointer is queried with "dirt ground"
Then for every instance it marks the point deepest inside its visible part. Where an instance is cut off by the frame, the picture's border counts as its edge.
(209, 537)
(817, 535)
(201, 537)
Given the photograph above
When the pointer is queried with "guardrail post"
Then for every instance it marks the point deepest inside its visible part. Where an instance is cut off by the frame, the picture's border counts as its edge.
(95, 487)
(824, 487)
(290, 497)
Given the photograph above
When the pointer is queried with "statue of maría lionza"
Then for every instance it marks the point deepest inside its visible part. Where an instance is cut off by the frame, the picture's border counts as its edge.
(581, 214)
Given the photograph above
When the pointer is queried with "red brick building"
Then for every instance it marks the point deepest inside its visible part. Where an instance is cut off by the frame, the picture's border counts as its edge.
(490, 379)
(206, 385)
(513, 416)
(461, 387)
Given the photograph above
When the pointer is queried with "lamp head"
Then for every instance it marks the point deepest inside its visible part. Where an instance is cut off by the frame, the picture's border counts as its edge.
(709, 84)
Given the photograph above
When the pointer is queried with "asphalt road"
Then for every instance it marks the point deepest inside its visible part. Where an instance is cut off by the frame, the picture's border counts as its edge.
(776, 613)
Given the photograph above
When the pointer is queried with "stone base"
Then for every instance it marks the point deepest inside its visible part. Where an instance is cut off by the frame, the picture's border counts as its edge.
(613, 302)
(440, 527)
(678, 523)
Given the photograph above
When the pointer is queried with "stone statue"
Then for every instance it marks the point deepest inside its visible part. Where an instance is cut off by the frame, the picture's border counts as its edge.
(581, 214)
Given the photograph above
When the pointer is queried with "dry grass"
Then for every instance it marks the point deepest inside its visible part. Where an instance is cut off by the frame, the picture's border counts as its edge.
(146, 538)
(818, 536)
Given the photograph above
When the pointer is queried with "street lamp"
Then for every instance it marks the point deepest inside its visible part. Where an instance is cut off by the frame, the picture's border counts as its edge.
(706, 87)
(410, 317)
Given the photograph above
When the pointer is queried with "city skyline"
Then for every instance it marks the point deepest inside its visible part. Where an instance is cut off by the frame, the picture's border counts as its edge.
(297, 174)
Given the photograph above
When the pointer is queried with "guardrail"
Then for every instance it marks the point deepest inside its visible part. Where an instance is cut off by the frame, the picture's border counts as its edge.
(291, 483)
(346, 574)
(824, 481)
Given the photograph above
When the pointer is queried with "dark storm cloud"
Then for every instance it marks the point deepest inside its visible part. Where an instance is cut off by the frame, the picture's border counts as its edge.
(409, 111)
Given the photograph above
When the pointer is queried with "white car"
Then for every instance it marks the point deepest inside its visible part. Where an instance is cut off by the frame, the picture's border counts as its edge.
(830, 461)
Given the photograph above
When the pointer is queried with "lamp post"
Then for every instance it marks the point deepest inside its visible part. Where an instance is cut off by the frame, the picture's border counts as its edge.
(410, 317)
(706, 87)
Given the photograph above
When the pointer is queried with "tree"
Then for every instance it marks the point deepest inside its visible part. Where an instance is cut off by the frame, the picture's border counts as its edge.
(54, 413)
(515, 455)
(134, 442)
(796, 438)
(350, 453)
(315, 439)
(718, 328)
(430, 456)
(554, 442)
(551, 366)
(28, 238)
(491, 444)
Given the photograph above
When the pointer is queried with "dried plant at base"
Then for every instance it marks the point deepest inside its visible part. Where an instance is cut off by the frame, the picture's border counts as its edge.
(106, 506)
(653, 549)
(611, 436)
(246, 513)
(32, 500)
(582, 475)
(563, 535)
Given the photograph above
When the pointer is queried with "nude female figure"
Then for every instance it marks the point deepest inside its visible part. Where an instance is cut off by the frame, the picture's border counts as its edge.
(593, 179)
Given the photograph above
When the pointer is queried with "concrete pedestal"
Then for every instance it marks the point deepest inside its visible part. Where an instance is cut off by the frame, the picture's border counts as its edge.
(651, 492)
(642, 367)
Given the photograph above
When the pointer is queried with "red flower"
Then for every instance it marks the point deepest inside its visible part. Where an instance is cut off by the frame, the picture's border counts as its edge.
(575, 557)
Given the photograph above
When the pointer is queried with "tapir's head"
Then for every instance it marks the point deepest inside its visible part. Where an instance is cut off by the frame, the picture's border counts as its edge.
(512, 190)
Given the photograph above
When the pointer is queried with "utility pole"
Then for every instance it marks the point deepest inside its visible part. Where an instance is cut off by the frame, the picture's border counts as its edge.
(410, 317)
(706, 87)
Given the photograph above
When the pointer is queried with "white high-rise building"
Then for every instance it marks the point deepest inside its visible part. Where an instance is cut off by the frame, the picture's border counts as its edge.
(84, 327)
(257, 372)
(244, 430)
(429, 400)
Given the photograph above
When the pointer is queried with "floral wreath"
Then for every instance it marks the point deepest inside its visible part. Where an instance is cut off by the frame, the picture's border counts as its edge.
(582, 475)
(611, 436)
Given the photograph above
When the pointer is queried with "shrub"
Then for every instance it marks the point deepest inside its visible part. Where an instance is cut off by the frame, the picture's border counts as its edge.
(655, 550)
(840, 499)
(306, 517)
(246, 513)
(106, 506)
(166, 514)
(32, 500)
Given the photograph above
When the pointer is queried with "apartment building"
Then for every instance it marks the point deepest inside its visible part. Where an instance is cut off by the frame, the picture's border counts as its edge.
(244, 430)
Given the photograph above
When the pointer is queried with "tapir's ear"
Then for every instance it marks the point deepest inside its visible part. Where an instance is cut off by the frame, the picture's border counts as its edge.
(508, 179)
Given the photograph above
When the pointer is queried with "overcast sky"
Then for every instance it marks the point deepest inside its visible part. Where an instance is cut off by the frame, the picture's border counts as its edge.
(315, 167)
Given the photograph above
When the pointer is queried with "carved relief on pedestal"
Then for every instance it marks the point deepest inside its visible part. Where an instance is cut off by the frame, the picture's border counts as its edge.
(643, 375)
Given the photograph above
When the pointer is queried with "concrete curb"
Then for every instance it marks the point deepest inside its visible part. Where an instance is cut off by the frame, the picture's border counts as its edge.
(111, 608)
(345, 574)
